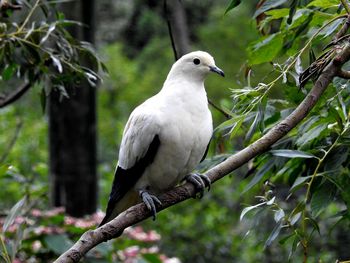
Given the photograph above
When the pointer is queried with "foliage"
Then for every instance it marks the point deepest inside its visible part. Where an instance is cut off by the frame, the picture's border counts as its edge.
(42, 51)
(305, 177)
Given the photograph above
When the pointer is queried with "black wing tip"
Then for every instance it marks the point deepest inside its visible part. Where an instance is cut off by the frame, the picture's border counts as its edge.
(105, 220)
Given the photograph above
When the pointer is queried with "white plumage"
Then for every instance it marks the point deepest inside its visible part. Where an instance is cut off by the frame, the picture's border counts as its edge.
(179, 116)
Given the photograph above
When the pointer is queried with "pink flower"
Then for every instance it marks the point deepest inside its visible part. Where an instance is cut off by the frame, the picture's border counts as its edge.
(151, 250)
(36, 213)
(36, 245)
(172, 260)
(47, 230)
(68, 220)
(138, 233)
(131, 252)
(54, 212)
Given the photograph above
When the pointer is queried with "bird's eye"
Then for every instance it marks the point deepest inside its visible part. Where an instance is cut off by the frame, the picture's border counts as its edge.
(196, 61)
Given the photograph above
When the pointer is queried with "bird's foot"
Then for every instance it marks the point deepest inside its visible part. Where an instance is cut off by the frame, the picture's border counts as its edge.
(150, 201)
(200, 181)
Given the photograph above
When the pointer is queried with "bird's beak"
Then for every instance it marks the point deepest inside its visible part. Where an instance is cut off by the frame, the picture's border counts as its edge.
(217, 70)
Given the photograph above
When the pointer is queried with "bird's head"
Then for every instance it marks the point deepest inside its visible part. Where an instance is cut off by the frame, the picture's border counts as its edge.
(196, 65)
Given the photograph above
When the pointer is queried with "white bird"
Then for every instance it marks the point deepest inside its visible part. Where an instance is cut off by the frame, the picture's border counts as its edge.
(165, 138)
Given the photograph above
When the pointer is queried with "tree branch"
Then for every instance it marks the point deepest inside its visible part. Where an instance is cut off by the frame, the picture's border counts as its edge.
(18, 93)
(139, 212)
(345, 74)
(170, 30)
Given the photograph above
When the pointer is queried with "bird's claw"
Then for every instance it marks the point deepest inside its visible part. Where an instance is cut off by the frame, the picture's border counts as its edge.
(200, 181)
(150, 201)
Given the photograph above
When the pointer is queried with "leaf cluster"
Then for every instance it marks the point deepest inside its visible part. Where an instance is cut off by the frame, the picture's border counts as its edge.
(36, 46)
(304, 178)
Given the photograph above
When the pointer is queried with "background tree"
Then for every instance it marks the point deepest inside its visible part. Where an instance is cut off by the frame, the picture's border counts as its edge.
(72, 128)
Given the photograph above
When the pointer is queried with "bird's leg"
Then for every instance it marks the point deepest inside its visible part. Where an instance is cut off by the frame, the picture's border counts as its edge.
(150, 201)
(200, 181)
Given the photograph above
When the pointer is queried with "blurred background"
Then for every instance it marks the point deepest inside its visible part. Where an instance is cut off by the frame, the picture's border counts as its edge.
(132, 39)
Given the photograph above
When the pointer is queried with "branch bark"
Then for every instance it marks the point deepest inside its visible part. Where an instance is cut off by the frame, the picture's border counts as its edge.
(139, 212)
(344, 74)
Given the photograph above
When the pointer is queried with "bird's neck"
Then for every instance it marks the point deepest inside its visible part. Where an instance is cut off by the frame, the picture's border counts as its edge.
(176, 79)
(186, 94)
(184, 87)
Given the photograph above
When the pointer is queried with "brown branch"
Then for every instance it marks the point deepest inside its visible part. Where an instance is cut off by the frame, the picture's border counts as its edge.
(139, 212)
(166, 11)
(345, 74)
(18, 93)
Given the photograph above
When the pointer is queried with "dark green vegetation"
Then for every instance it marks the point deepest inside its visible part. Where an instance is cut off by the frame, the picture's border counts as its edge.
(293, 205)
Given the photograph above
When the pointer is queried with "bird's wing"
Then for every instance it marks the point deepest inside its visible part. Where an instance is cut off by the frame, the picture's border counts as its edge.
(206, 152)
(138, 149)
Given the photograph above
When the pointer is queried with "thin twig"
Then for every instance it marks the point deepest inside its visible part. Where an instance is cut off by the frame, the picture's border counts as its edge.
(29, 15)
(166, 11)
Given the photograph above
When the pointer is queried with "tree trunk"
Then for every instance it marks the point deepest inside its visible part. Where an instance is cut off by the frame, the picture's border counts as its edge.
(72, 131)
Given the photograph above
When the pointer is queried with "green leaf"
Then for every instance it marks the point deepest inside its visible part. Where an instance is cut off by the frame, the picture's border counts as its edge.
(92, 79)
(249, 208)
(58, 243)
(232, 5)
(300, 181)
(278, 13)
(62, 91)
(267, 5)
(321, 199)
(265, 49)
(324, 3)
(15, 211)
(259, 175)
(253, 126)
(292, 154)
(312, 56)
(293, 7)
(284, 240)
(152, 258)
(298, 209)
(301, 16)
(57, 63)
(274, 234)
(49, 31)
(235, 128)
(311, 134)
(314, 224)
(9, 71)
(295, 218)
(328, 30)
(336, 158)
(279, 215)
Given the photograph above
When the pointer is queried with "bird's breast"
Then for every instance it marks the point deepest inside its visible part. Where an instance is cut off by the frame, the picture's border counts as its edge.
(184, 137)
